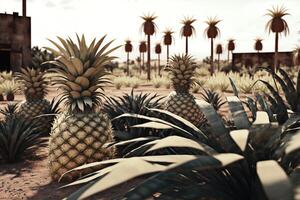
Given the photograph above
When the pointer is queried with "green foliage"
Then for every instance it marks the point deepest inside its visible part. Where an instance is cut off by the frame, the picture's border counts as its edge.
(212, 97)
(291, 90)
(9, 110)
(17, 135)
(39, 57)
(130, 103)
(250, 162)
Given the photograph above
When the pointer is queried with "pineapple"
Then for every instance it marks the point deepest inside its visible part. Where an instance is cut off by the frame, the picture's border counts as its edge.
(181, 102)
(35, 90)
(78, 135)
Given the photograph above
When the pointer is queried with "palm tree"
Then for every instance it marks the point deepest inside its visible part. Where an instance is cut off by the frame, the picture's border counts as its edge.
(212, 31)
(219, 51)
(168, 38)
(230, 47)
(187, 31)
(149, 29)
(128, 49)
(143, 50)
(158, 52)
(277, 25)
(258, 46)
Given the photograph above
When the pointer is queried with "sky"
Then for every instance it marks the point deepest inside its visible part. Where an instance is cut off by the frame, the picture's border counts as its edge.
(243, 20)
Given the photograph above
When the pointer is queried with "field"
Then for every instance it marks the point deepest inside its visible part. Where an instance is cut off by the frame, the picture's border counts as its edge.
(77, 122)
(30, 178)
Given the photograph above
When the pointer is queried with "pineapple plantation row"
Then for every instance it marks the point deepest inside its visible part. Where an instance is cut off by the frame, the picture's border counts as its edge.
(180, 146)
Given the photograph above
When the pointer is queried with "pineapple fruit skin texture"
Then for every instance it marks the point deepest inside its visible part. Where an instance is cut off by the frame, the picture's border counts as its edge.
(33, 108)
(185, 106)
(180, 101)
(78, 139)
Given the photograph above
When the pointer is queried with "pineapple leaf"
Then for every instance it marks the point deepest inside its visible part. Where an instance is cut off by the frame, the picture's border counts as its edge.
(274, 180)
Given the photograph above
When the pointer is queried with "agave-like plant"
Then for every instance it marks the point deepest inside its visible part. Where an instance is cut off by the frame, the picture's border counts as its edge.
(297, 56)
(52, 111)
(17, 135)
(291, 93)
(251, 164)
(213, 97)
(129, 103)
(9, 110)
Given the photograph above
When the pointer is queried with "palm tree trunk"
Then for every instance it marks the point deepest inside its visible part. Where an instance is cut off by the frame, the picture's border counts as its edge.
(212, 56)
(186, 45)
(128, 64)
(228, 56)
(218, 62)
(167, 55)
(148, 59)
(159, 65)
(232, 61)
(258, 58)
(276, 53)
(143, 66)
(141, 63)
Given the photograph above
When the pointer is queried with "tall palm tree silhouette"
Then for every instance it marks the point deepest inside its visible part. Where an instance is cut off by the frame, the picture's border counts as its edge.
(277, 25)
(187, 31)
(230, 48)
(128, 49)
(149, 29)
(168, 39)
(142, 50)
(258, 46)
(212, 31)
(158, 52)
(219, 51)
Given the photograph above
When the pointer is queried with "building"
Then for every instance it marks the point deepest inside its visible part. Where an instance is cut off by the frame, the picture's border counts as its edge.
(15, 40)
(253, 59)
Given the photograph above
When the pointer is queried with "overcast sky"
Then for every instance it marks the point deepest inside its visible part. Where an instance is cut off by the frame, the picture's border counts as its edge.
(243, 20)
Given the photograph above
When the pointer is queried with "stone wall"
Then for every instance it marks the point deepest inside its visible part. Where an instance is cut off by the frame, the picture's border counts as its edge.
(254, 59)
(15, 40)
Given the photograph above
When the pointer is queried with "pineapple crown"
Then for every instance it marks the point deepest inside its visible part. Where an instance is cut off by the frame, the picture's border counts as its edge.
(34, 81)
(182, 70)
(80, 71)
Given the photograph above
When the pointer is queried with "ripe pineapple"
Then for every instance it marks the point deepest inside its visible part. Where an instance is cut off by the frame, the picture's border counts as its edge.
(181, 102)
(79, 133)
(35, 90)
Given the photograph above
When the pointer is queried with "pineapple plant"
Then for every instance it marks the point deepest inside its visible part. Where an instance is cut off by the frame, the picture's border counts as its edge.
(10, 88)
(79, 133)
(35, 90)
(181, 102)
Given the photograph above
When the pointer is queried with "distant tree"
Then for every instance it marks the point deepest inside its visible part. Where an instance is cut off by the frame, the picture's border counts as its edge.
(219, 51)
(277, 25)
(230, 48)
(212, 31)
(168, 38)
(143, 50)
(187, 31)
(158, 52)
(258, 46)
(128, 49)
(149, 28)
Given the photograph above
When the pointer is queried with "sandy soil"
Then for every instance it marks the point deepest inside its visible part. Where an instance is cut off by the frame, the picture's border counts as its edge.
(29, 179)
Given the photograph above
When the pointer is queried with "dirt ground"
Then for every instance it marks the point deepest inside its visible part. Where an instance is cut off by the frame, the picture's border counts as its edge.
(29, 179)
